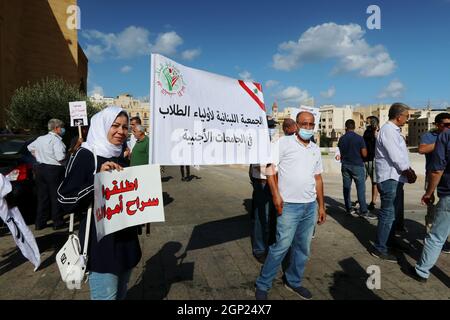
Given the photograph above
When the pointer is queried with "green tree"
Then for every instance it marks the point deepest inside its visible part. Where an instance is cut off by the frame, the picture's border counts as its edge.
(325, 142)
(34, 105)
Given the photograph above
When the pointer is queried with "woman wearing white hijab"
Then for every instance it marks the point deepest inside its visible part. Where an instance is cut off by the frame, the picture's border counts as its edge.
(111, 260)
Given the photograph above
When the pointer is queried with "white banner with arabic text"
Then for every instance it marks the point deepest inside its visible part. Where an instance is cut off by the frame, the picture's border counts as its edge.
(127, 198)
(201, 118)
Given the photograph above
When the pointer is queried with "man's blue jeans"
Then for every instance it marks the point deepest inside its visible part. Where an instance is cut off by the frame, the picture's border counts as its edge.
(358, 174)
(295, 226)
(108, 286)
(261, 208)
(391, 194)
(435, 240)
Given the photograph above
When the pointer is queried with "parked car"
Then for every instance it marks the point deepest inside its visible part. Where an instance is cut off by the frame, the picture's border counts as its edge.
(16, 164)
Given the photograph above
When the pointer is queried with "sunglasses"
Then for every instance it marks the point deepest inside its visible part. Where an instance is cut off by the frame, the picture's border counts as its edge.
(445, 124)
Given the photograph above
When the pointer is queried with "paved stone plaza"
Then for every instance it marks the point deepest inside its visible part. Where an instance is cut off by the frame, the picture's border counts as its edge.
(203, 251)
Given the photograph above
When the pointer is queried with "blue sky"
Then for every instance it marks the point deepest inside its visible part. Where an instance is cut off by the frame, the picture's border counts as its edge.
(296, 49)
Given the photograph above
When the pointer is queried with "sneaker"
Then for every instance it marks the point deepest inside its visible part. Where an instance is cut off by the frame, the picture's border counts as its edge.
(302, 292)
(387, 257)
(446, 247)
(371, 206)
(369, 215)
(353, 212)
(413, 274)
(260, 294)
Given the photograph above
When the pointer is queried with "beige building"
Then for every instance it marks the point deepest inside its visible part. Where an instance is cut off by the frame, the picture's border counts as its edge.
(99, 99)
(381, 111)
(370, 109)
(332, 120)
(135, 108)
(420, 122)
(360, 122)
(36, 43)
(285, 114)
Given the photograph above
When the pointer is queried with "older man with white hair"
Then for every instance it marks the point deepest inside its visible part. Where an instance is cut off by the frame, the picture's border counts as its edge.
(140, 153)
(50, 152)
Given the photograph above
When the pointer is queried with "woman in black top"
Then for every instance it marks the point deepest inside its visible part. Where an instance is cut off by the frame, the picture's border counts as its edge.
(111, 260)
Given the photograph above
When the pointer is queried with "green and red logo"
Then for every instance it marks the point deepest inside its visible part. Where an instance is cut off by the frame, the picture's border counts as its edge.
(170, 79)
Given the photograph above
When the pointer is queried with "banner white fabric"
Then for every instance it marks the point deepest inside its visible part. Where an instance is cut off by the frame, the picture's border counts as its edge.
(127, 198)
(201, 118)
(22, 235)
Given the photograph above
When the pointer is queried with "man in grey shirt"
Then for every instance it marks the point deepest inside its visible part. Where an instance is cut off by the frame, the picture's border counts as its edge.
(50, 152)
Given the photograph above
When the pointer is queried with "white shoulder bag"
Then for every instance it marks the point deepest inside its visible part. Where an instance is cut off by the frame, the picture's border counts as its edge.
(71, 261)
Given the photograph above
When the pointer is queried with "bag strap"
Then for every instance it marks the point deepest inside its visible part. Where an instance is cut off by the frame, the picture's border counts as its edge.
(72, 216)
(89, 213)
(87, 234)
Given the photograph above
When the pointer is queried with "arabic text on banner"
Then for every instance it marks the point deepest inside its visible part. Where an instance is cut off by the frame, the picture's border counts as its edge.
(127, 198)
(78, 113)
(201, 118)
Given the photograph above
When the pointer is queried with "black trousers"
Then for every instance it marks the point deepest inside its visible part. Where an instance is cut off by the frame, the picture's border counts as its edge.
(188, 171)
(48, 178)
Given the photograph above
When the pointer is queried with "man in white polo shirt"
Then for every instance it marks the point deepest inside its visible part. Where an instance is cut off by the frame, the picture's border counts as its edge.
(299, 185)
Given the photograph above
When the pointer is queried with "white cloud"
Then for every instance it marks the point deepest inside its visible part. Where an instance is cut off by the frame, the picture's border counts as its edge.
(191, 54)
(97, 90)
(395, 89)
(246, 76)
(126, 69)
(329, 93)
(345, 43)
(293, 95)
(271, 83)
(95, 53)
(167, 43)
(130, 43)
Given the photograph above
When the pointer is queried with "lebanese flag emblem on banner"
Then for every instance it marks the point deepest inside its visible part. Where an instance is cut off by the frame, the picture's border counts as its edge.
(254, 90)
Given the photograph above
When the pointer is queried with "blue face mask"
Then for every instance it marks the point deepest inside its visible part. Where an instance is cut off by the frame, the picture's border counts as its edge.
(63, 131)
(306, 134)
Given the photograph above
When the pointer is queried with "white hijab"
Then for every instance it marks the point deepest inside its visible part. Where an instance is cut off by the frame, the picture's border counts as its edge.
(98, 133)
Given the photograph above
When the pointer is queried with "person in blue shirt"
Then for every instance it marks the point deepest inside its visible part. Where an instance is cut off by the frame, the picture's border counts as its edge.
(353, 149)
(426, 147)
(440, 178)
